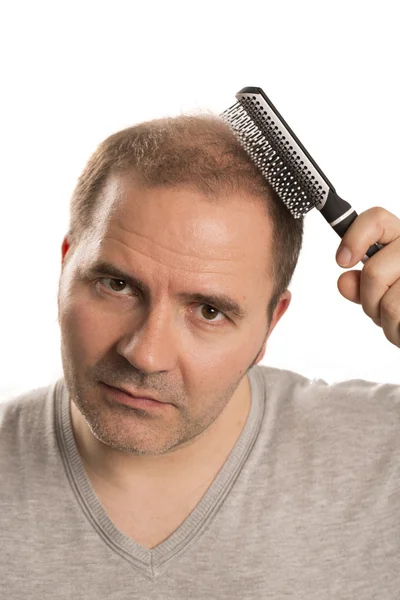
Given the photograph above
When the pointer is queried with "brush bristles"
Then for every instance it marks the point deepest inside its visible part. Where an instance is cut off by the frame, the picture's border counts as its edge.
(293, 190)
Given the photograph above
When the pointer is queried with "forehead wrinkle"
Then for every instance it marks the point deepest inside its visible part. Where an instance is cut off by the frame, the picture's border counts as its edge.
(140, 235)
(191, 268)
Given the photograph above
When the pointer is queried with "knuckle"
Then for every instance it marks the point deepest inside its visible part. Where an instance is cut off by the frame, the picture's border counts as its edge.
(389, 336)
(371, 271)
(390, 307)
(369, 312)
(378, 213)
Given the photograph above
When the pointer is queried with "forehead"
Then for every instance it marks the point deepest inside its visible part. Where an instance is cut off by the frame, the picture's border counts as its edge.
(181, 231)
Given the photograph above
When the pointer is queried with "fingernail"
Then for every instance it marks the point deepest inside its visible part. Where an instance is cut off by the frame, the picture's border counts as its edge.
(343, 256)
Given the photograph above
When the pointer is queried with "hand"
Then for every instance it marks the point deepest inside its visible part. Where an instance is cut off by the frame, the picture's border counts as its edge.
(377, 286)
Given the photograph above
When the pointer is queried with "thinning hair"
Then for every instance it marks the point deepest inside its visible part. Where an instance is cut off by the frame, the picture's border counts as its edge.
(193, 150)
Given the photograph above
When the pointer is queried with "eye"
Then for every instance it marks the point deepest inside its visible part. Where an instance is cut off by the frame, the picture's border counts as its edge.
(115, 285)
(211, 314)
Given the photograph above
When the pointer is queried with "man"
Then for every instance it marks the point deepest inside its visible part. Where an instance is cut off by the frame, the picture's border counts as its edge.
(166, 463)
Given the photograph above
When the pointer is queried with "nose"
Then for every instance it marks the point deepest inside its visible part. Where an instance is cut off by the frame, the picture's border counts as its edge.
(152, 347)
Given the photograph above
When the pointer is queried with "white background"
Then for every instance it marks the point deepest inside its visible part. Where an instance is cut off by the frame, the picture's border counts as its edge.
(74, 72)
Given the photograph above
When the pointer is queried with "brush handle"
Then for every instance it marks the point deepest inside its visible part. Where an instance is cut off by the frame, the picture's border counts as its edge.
(340, 215)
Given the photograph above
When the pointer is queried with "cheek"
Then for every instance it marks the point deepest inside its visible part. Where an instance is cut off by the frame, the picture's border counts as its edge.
(218, 364)
(85, 333)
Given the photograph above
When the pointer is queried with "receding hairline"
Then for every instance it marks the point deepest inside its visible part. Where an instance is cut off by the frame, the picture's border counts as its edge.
(222, 195)
(197, 148)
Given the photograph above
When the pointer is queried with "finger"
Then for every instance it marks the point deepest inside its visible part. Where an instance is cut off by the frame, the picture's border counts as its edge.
(375, 225)
(349, 286)
(390, 314)
(380, 272)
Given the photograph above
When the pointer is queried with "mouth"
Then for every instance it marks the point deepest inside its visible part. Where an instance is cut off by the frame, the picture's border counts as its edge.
(134, 394)
(137, 400)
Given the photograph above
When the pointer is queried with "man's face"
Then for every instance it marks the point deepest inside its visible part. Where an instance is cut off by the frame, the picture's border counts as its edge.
(159, 336)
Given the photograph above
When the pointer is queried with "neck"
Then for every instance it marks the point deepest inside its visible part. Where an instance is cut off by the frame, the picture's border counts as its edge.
(194, 461)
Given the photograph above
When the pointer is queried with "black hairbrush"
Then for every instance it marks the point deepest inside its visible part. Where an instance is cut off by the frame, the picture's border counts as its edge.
(285, 163)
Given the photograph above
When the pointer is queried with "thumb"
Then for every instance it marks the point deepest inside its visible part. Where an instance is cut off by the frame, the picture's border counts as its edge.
(349, 285)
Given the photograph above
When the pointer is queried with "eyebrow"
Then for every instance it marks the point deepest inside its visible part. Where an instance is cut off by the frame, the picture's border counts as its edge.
(221, 302)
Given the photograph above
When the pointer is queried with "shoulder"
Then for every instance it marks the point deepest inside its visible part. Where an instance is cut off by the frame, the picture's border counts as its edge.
(23, 417)
(348, 393)
(14, 407)
(345, 407)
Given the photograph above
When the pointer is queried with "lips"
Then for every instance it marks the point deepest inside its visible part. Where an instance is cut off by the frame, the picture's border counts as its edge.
(133, 394)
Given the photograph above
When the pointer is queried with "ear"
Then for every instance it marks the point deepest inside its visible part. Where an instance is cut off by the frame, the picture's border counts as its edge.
(65, 246)
(279, 311)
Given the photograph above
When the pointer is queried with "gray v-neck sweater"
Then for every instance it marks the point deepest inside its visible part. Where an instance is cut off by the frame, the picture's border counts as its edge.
(307, 504)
